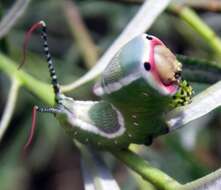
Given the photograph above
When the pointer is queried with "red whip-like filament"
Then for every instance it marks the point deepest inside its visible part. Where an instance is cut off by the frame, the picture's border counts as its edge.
(27, 38)
(33, 127)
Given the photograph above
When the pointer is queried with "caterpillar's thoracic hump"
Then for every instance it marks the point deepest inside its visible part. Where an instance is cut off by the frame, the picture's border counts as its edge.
(136, 89)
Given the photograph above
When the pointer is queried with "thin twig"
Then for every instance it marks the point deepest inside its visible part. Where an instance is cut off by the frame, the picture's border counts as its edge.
(211, 5)
(80, 33)
(9, 107)
(10, 19)
(144, 18)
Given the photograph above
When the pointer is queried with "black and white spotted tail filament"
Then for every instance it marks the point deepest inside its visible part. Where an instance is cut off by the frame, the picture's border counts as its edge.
(53, 75)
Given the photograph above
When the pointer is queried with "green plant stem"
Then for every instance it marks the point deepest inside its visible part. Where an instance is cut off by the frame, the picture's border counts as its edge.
(80, 33)
(210, 181)
(141, 183)
(199, 70)
(191, 18)
(9, 107)
(40, 89)
(159, 179)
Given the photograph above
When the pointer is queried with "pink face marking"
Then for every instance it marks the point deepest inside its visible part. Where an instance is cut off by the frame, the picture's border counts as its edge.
(153, 43)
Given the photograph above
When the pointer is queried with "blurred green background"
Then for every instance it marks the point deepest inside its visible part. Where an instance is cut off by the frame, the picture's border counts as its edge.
(53, 162)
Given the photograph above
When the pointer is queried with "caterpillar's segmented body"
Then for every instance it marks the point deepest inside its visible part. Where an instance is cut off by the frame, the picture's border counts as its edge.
(136, 89)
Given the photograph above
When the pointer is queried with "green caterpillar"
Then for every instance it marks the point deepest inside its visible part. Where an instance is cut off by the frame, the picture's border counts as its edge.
(136, 89)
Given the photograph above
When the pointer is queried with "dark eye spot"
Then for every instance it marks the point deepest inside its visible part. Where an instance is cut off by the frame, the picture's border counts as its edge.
(177, 74)
(147, 66)
(149, 37)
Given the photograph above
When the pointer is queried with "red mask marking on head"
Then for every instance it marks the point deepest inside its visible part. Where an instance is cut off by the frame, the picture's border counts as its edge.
(155, 42)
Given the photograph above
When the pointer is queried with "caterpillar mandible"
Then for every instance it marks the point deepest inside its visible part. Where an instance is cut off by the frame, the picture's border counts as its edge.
(137, 87)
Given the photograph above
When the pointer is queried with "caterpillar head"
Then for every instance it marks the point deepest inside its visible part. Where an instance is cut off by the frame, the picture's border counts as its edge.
(144, 57)
(147, 58)
(159, 66)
